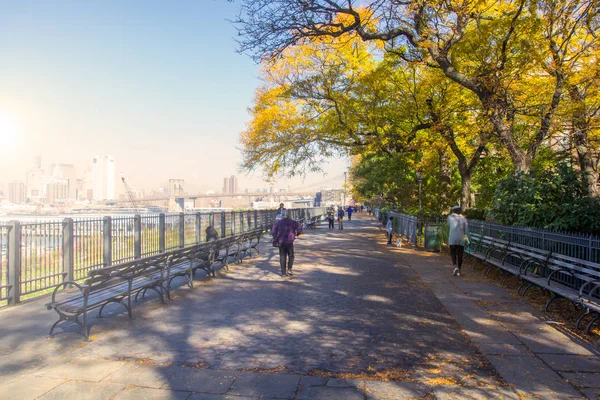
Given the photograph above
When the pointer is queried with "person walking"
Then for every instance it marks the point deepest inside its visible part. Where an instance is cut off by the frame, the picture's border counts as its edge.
(458, 238)
(280, 210)
(331, 217)
(285, 232)
(340, 217)
(350, 211)
(389, 230)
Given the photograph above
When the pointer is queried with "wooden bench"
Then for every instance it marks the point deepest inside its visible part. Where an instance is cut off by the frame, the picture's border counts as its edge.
(114, 284)
(575, 280)
(185, 262)
(313, 222)
(247, 242)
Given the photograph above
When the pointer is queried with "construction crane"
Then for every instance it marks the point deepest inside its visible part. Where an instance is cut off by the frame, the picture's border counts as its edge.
(129, 194)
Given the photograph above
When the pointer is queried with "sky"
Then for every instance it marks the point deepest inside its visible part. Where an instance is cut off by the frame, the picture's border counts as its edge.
(158, 85)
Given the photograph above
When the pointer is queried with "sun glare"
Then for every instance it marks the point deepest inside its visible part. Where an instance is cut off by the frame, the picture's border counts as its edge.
(9, 131)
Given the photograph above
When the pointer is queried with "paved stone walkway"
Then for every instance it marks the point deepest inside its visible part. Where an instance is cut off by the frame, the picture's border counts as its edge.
(359, 320)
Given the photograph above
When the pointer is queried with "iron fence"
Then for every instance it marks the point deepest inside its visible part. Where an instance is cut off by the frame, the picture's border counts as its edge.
(580, 246)
(4, 285)
(36, 257)
(151, 234)
(576, 245)
(88, 245)
(41, 256)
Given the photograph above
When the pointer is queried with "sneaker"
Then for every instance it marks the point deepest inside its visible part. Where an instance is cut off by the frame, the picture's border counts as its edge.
(290, 273)
(456, 273)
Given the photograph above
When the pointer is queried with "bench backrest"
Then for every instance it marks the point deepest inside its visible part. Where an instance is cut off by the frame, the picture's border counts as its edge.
(125, 272)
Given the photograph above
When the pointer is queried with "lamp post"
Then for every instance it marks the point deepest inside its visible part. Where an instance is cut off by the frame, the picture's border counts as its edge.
(419, 177)
(344, 205)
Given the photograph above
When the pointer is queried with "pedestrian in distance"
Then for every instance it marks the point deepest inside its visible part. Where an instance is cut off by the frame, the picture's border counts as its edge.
(458, 238)
(211, 234)
(280, 210)
(340, 217)
(350, 211)
(331, 217)
(284, 232)
(389, 230)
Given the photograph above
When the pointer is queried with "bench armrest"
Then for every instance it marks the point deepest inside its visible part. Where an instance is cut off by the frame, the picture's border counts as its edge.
(585, 285)
(528, 263)
(561, 270)
(82, 288)
(514, 254)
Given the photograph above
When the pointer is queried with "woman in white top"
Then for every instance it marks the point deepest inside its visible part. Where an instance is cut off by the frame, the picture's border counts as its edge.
(458, 238)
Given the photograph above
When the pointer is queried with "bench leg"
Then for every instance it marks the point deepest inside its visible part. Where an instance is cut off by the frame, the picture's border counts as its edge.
(522, 286)
(589, 326)
(529, 287)
(552, 299)
(504, 276)
(581, 317)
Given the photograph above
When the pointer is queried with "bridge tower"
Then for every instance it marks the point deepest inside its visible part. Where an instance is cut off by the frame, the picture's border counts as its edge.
(176, 200)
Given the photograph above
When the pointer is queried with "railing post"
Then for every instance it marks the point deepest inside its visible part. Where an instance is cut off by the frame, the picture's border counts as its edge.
(137, 236)
(223, 231)
(14, 263)
(107, 238)
(67, 249)
(161, 232)
(211, 219)
(255, 219)
(181, 230)
(198, 227)
(232, 219)
(242, 230)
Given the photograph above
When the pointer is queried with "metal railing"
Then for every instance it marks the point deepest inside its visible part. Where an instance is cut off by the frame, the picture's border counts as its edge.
(584, 247)
(36, 257)
(4, 285)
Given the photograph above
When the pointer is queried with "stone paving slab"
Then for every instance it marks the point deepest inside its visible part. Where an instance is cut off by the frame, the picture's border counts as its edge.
(583, 379)
(83, 391)
(200, 396)
(203, 381)
(142, 393)
(23, 389)
(562, 362)
(530, 375)
(463, 393)
(330, 393)
(272, 386)
(142, 375)
(78, 369)
(377, 390)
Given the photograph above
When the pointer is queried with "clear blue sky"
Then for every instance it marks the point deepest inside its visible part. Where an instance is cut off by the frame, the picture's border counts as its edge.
(157, 84)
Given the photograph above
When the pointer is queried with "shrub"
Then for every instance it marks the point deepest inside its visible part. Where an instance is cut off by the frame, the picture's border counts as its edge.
(553, 199)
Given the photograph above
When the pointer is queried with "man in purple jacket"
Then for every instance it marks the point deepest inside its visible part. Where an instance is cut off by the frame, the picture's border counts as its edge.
(285, 232)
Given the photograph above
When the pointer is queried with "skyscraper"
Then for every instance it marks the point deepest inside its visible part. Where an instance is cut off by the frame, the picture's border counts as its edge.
(225, 185)
(33, 181)
(103, 175)
(66, 171)
(233, 184)
(16, 192)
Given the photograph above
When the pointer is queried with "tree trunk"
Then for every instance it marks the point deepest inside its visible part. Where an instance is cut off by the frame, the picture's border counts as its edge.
(580, 128)
(465, 191)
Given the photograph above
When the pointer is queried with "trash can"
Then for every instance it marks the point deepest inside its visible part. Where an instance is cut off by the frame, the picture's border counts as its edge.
(433, 238)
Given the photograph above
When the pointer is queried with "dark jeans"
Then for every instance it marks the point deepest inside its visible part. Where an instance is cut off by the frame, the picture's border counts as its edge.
(286, 256)
(331, 223)
(456, 252)
(389, 236)
(349, 217)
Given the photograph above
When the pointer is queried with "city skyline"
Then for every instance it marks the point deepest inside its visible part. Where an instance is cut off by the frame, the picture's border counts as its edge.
(144, 84)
